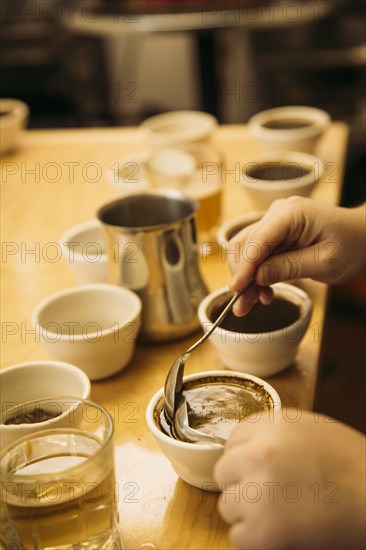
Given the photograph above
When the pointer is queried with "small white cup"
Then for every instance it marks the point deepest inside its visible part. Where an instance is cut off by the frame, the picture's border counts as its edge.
(93, 326)
(178, 127)
(260, 354)
(84, 249)
(311, 124)
(37, 380)
(14, 116)
(291, 164)
(194, 462)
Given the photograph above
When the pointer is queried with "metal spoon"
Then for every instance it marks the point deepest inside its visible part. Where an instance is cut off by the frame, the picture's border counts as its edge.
(183, 431)
(174, 381)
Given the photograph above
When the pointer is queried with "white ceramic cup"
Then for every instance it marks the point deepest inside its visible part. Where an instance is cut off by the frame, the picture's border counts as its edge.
(194, 462)
(14, 115)
(92, 326)
(83, 247)
(260, 354)
(37, 380)
(178, 127)
(299, 173)
(312, 123)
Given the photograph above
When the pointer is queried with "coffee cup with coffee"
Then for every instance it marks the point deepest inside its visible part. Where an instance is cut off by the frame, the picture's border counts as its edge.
(217, 402)
(271, 176)
(289, 128)
(266, 340)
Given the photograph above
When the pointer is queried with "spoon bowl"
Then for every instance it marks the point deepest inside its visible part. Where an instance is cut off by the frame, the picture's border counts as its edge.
(183, 431)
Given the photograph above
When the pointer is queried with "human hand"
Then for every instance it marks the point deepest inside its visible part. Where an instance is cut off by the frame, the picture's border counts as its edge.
(293, 485)
(296, 238)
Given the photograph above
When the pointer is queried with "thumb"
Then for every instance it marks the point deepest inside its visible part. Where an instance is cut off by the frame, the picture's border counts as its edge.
(294, 264)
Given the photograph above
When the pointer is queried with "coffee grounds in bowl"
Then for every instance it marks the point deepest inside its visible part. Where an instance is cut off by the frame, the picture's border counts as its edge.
(215, 407)
(278, 171)
(216, 404)
(287, 124)
(279, 314)
(31, 417)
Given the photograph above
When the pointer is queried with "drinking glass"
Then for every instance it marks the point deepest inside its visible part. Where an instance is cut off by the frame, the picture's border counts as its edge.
(57, 484)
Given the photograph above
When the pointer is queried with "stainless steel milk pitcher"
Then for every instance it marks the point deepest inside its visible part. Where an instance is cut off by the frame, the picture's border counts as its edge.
(152, 247)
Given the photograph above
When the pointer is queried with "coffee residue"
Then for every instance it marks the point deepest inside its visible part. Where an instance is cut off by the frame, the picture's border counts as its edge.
(216, 404)
(278, 171)
(216, 408)
(287, 124)
(279, 314)
(31, 417)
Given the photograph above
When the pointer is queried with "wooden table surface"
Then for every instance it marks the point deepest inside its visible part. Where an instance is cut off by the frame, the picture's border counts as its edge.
(57, 179)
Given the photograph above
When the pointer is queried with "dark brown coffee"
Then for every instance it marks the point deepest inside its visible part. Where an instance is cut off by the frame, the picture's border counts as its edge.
(287, 124)
(31, 417)
(217, 403)
(277, 171)
(261, 319)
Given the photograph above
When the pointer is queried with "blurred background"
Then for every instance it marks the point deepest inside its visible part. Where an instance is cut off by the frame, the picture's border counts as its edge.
(82, 63)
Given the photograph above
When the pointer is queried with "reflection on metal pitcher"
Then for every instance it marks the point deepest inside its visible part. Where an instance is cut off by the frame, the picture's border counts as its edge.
(159, 230)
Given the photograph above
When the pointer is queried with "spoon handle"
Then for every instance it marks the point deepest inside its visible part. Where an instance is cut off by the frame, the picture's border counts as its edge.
(222, 316)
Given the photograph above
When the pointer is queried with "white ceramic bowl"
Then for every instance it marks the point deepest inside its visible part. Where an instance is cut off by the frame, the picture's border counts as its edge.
(298, 175)
(260, 354)
(194, 462)
(14, 116)
(312, 124)
(37, 380)
(177, 127)
(92, 326)
(231, 227)
(83, 247)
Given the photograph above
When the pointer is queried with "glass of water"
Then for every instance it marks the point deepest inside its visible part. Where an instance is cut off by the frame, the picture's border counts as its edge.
(58, 483)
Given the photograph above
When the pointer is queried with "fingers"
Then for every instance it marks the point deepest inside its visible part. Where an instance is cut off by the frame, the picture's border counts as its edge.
(251, 297)
(283, 226)
(229, 467)
(294, 264)
(266, 295)
(246, 301)
(238, 535)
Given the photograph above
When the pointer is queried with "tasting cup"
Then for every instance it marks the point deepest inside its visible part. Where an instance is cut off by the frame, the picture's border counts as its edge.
(64, 472)
(37, 380)
(84, 249)
(93, 326)
(266, 128)
(261, 354)
(297, 174)
(194, 462)
(14, 116)
(179, 127)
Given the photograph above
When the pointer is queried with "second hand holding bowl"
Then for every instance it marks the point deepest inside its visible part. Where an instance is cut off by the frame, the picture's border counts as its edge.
(175, 403)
